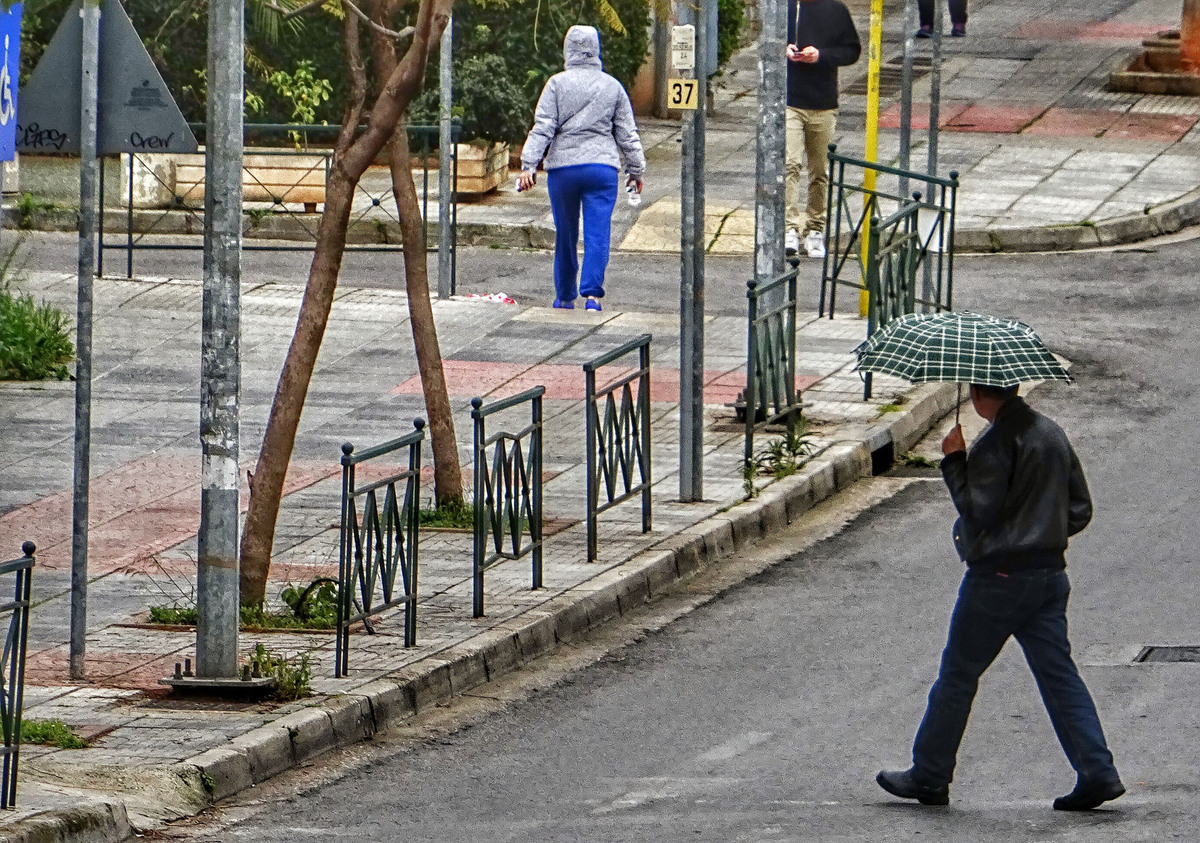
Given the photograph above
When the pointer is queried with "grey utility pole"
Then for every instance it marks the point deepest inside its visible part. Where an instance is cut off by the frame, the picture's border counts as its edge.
(445, 150)
(220, 367)
(770, 201)
(906, 97)
(691, 288)
(89, 96)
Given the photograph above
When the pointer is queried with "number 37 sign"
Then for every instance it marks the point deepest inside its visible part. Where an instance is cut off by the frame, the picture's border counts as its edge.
(681, 94)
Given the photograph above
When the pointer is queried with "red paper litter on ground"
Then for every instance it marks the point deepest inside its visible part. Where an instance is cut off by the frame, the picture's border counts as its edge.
(499, 298)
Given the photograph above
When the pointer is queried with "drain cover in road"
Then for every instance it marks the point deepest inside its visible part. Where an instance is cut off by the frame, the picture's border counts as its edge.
(1169, 654)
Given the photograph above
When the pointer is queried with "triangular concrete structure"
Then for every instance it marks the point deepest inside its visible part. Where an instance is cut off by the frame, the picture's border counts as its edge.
(136, 113)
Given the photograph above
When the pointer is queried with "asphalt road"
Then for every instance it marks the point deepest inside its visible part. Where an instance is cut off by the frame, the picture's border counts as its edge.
(764, 715)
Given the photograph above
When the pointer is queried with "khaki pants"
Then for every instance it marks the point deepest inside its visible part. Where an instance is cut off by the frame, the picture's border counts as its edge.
(808, 133)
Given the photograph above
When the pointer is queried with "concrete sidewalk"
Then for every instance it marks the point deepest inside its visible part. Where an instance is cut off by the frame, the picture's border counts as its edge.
(1047, 158)
(154, 757)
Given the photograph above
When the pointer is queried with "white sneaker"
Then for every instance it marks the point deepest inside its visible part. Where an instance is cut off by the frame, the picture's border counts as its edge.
(814, 244)
(791, 242)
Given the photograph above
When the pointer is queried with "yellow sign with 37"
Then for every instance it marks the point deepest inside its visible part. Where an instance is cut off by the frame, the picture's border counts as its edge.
(681, 94)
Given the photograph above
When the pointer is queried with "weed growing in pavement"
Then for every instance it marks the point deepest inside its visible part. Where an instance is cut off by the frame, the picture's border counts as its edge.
(35, 339)
(293, 676)
(918, 461)
(780, 458)
(51, 733)
(28, 207)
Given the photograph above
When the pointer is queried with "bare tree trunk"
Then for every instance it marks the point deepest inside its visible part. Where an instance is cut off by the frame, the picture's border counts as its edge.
(351, 158)
(447, 472)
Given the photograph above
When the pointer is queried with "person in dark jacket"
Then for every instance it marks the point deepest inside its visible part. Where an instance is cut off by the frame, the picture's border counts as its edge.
(821, 38)
(1020, 494)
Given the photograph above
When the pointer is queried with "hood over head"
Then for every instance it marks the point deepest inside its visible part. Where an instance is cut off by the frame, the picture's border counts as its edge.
(581, 47)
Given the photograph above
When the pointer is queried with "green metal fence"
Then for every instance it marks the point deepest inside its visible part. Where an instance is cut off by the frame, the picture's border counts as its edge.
(894, 246)
(508, 489)
(12, 668)
(771, 396)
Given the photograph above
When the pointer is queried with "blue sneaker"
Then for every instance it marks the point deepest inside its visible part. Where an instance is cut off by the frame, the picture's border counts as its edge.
(564, 305)
(592, 304)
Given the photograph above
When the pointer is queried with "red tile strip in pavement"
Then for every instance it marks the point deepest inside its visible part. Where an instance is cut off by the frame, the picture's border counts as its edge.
(1074, 122)
(133, 671)
(472, 377)
(1053, 29)
(890, 118)
(996, 118)
(136, 510)
(1166, 128)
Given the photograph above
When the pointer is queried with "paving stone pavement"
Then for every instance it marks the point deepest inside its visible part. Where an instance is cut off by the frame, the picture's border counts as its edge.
(1045, 155)
(145, 494)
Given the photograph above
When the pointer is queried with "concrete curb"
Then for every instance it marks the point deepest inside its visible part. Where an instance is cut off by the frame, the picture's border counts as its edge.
(89, 822)
(1156, 221)
(354, 716)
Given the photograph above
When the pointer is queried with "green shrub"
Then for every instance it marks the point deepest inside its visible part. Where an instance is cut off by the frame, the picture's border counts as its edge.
(521, 41)
(313, 606)
(35, 339)
(731, 17)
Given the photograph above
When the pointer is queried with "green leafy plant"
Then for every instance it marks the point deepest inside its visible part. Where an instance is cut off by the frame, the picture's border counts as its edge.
(35, 339)
(918, 461)
(51, 733)
(315, 603)
(304, 91)
(731, 17)
(749, 472)
(293, 676)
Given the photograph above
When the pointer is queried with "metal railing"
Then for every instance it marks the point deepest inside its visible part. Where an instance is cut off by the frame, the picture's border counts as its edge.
(771, 396)
(12, 669)
(508, 494)
(878, 241)
(378, 559)
(618, 439)
(282, 197)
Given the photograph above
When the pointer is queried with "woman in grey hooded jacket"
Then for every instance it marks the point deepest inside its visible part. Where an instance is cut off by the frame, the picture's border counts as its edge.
(583, 126)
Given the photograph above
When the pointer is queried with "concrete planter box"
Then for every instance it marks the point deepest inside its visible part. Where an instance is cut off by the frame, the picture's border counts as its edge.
(481, 169)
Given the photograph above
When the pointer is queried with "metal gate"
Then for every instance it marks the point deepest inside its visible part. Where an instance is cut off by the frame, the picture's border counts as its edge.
(283, 186)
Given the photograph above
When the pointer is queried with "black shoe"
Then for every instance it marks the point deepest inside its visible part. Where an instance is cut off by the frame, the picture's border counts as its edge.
(1089, 795)
(901, 783)
(924, 32)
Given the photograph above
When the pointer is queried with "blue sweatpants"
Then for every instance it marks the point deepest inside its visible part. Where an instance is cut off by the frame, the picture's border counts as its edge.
(594, 188)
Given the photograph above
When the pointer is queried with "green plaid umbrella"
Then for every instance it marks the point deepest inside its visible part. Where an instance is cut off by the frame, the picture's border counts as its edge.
(960, 348)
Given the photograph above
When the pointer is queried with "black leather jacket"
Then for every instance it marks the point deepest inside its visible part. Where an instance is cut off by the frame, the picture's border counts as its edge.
(1020, 492)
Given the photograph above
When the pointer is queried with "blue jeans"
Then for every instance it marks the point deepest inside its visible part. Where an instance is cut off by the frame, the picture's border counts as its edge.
(1032, 606)
(594, 188)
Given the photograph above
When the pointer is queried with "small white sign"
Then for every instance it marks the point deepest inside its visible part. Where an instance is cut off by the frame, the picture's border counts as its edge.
(683, 47)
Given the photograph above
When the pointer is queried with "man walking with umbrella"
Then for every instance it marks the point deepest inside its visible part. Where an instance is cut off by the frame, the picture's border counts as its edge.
(1020, 493)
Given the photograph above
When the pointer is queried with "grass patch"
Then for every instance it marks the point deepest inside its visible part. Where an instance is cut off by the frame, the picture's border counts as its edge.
(459, 516)
(29, 207)
(917, 461)
(51, 733)
(890, 408)
(35, 339)
(313, 606)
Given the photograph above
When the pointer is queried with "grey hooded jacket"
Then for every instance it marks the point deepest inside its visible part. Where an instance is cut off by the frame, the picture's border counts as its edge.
(583, 114)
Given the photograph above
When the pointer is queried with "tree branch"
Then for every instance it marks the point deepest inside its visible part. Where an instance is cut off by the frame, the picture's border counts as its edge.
(382, 30)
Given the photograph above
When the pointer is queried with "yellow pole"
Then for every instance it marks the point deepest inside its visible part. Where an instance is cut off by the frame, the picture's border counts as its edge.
(871, 151)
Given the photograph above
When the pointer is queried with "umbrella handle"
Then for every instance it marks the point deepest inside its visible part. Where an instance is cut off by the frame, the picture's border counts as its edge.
(957, 404)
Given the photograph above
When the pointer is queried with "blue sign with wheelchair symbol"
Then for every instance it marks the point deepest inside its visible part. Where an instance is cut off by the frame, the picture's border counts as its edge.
(10, 72)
